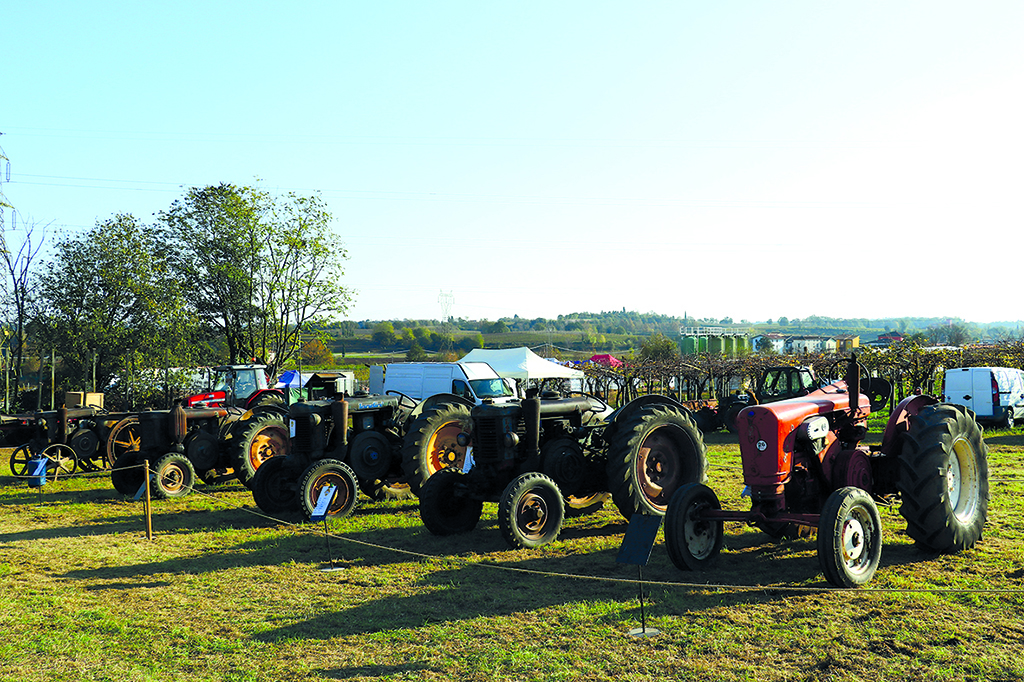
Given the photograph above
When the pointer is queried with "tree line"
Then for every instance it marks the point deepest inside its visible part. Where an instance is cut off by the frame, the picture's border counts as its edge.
(907, 365)
(225, 274)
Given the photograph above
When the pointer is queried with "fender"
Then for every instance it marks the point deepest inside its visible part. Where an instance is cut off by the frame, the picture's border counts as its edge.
(899, 421)
(630, 407)
(434, 400)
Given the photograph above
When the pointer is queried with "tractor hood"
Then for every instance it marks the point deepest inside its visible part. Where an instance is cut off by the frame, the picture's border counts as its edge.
(767, 433)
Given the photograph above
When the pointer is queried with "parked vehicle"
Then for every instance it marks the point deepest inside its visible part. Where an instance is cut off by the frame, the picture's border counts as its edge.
(353, 443)
(538, 457)
(994, 394)
(212, 444)
(774, 384)
(239, 386)
(805, 466)
(472, 381)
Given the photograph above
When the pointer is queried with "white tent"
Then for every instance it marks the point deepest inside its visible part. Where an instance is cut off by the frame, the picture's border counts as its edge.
(521, 363)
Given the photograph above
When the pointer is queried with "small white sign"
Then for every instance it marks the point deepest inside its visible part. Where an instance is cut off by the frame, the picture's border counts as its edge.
(323, 502)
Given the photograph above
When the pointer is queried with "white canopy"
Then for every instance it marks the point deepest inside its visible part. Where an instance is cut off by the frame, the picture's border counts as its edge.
(521, 363)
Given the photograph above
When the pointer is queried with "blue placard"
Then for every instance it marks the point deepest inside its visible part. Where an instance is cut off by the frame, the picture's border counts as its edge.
(323, 502)
(639, 541)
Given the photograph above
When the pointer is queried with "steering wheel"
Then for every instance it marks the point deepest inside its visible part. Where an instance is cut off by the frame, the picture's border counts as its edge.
(403, 399)
(837, 369)
(602, 405)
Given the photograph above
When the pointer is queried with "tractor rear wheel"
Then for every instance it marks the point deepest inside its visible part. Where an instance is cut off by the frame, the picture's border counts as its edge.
(431, 445)
(445, 508)
(274, 487)
(124, 437)
(173, 476)
(327, 472)
(652, 453)
(693, 542)
(260, 439)
(531, 511)
(943, 479)
(849, 537)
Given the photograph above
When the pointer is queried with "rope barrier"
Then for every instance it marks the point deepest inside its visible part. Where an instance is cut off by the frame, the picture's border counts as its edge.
(487, 563)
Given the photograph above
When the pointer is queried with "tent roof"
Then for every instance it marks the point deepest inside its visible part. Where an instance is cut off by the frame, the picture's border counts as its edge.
(606, 359)
(521, 363)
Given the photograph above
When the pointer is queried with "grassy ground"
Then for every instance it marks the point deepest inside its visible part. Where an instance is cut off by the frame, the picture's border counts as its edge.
(223, 593)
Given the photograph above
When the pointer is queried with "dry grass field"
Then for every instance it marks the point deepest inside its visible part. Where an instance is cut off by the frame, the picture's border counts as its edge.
(223, 592)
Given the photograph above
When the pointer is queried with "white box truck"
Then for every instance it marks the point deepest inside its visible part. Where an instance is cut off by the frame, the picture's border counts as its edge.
(994, 394)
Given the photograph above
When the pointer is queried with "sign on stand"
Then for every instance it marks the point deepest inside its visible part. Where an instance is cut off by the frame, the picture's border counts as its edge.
(636, 549)
(323, 503)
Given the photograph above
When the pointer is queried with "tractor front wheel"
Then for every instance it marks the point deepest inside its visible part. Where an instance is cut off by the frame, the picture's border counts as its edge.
(692, 541)
(446, 506)
(943, 479)
(173, 476)
(324, 473)
(127, 474)
(531, 511)
(274, 487)
(849, 537)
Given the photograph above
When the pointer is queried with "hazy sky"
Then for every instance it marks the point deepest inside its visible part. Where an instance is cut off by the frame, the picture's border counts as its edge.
(743, 159)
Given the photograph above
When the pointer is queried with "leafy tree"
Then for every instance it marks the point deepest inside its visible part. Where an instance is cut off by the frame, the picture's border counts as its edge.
(384, 335)
(659, 348)
(258, 269)
(416, 353)
(468, 343)
(109, 293)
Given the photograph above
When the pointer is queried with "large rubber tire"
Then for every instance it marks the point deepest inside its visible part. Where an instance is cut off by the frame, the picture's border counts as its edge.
(369, 455)
(323, 473)
(173, 476)
(693, 542)
(531, 511)
(127, 474)
(653, 452)
(849, 537)
(124, 437)
(430, 444)
(275, 487)
(943, 479)
(260, 440)
(446, 510)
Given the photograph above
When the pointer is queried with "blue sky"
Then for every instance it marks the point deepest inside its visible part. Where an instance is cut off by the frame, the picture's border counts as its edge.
(743, 159)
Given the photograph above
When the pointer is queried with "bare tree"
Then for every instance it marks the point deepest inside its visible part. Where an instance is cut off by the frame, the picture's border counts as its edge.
(18, 298)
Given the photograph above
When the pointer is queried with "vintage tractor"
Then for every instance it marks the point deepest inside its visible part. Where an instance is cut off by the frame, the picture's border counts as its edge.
(86, 438)
(774, 384)
(213, 444)
(548, 455)
(352, 443)
(805, 467)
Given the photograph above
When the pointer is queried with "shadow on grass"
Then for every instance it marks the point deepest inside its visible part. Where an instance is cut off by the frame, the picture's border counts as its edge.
(379, 671)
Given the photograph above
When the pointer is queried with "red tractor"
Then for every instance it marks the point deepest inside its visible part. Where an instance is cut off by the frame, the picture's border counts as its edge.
(239, 386)
(805, 466)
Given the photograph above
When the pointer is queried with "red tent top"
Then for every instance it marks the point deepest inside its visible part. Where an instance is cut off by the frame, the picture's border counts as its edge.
(606, 359)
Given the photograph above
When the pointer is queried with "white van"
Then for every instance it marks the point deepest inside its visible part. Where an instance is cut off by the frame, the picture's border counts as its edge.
(474, 381)
(994, 394)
